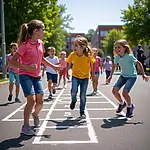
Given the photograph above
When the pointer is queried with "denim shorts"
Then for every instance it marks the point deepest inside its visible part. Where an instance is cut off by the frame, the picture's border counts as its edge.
(127, 81)
(52, 77)
(31, 85)
(96, 73)
(14, 78)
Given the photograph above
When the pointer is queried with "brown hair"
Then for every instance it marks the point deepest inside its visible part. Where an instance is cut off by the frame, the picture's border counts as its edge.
(27, 29)
(13, 44)
(83, 42)
(125, 44)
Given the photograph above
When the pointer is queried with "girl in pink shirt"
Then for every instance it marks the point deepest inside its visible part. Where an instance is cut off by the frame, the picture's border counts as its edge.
(98, 69)
(62, 62)
(31, 54)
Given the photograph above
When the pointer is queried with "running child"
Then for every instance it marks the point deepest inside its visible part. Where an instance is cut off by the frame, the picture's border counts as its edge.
(31, 54)
(81, 59)
(63, 73)
(98, 69)
(51, 73)
(127, 62)
(107, 67)
(13, 74)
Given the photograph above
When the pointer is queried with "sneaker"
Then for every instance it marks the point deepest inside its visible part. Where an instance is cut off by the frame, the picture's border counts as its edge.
(17, 100)
(72, 105)
(120, 107)
(50, 97)
(130, 111)
(82, 115)
(9, 97)
(65, 86)
(36, 120)
(54, 91)
(27, 130)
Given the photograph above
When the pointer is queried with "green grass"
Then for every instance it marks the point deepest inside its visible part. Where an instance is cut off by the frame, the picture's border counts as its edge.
(3, 80)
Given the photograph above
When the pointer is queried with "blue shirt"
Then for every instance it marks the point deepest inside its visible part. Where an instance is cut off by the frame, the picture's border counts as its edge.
(127, 64)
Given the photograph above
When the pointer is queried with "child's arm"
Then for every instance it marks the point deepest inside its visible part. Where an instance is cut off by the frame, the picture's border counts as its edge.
(68, 66)
(93, 65)
(144, 76)
(17, 64)
(6, 66)
(101, 66)
(47, 63)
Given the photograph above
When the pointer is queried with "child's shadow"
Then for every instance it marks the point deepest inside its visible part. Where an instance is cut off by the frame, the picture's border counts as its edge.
(14, 142)
(117, 122)
(65, 124)
(6, 104)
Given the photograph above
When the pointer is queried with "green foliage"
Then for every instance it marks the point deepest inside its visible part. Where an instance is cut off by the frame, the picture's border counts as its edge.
(89, 35)
(137, 22)
(112, 37)
(18, 12)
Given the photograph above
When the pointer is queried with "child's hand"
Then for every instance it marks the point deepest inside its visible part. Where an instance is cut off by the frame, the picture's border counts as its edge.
(30, 67)
(68, 76)
(58, 67)
(43, 74)
(145, 77)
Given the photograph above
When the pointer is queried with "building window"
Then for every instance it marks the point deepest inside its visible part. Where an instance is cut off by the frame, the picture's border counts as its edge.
(103, 33)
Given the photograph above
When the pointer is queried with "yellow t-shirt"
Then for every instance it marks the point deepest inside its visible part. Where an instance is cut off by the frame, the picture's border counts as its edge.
(81, 65)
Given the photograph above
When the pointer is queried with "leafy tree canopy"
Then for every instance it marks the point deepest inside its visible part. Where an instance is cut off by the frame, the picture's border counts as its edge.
(137, 22)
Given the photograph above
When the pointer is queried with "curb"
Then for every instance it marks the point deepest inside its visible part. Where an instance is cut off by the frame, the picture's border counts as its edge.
(4, 82)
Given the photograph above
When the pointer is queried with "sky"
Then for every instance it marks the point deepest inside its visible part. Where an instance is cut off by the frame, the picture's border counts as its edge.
(88, 14)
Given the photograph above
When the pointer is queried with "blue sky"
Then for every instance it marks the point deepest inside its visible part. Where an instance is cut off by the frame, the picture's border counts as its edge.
(88, 14)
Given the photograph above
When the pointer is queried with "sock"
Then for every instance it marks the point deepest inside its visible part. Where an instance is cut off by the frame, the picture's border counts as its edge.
(122, 102)
(130, 106)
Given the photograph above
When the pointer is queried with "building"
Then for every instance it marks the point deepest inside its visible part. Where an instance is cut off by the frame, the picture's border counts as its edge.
(70, 42)
(101, 33)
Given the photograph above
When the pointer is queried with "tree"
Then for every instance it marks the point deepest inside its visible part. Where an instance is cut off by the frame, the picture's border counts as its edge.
(137, 22)
(89, 35)
(18, 12)
(112, 37)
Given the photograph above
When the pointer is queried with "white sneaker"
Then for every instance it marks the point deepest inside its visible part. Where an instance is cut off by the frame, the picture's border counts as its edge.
(65, 86)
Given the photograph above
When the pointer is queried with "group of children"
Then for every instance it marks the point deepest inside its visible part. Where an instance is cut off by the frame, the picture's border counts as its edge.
(83, 59)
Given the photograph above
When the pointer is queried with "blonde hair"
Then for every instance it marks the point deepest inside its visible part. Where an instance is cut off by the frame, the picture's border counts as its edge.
(124, 44)
(62, 52)
(83, 42)
(49, 48)
(13, 44)
(27, 29)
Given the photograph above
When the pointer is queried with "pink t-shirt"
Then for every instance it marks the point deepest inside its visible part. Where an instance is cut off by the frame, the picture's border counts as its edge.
(63, 62)
(31, 53)
(10, 67)
(97, 63)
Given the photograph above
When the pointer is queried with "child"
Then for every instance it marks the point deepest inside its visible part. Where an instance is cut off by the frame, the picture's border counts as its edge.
(31, 54)
(128, 75)
(63, 63)
(98, 64)
(107, 67)
(13, 74)
(81, 59)
(50, 72)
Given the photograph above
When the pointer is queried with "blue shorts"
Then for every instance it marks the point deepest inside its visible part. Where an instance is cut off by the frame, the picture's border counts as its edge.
(127, 81)
(52, 77)
(14, 78)
(31, 85)
(96, 73)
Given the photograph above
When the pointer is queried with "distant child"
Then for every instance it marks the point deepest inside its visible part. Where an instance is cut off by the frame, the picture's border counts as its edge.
(128, 76)
(13, 74)
(63, 62)
(98, 69)
(31, 54)
(81, 59)
(107, 67)
(51, 73)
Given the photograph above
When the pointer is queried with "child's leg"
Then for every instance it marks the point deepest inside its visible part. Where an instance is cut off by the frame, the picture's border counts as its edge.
(17, 85)
(11, 82)
(129, 84)
(74, 91)
(83, 88)
(60, 76)
(120, 82)
(28, 109)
